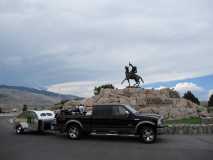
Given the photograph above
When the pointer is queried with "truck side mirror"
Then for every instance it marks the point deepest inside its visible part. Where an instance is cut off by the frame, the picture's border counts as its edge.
(127, 113)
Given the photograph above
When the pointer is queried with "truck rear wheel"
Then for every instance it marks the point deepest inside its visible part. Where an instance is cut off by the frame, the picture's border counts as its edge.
(148, 134)
(73, 131)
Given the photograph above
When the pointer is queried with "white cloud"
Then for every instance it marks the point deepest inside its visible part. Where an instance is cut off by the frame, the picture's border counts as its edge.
(83, 88)
(188, 86)
(161, 87)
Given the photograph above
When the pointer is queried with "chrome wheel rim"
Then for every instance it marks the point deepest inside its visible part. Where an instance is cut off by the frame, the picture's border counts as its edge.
(73, 132)
(18, 129)
(148, 135)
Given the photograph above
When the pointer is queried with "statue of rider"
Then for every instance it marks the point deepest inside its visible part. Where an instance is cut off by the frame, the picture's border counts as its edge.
(131, 74)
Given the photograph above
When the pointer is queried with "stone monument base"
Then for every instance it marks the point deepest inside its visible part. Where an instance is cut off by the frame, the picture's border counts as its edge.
(166, 102)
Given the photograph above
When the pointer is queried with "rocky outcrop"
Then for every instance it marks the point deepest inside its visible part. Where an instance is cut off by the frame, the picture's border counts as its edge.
(166, 102)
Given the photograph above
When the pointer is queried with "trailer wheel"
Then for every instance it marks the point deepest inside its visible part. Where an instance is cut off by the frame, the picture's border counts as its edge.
(19, 129)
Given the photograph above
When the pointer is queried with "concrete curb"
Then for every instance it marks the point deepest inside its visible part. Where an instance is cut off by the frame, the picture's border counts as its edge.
(196, 129)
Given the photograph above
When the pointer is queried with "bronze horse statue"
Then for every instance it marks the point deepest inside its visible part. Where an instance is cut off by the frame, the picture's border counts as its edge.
(132, 75)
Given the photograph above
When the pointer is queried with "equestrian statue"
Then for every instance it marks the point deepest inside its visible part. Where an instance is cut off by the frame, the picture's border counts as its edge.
(131, 73)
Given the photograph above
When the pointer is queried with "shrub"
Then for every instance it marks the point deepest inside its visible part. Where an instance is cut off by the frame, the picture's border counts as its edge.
(173, 94)
(97, 89)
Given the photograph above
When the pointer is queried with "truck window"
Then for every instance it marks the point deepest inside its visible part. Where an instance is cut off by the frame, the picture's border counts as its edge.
(43, 114)
(102, 111)
(49, 114)
(119, 111)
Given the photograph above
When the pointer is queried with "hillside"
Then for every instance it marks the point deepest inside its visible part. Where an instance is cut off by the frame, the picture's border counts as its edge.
(15, 97)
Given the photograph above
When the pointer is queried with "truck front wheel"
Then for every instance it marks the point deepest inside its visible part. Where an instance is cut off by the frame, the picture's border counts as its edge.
(148, 134)
(73, 131)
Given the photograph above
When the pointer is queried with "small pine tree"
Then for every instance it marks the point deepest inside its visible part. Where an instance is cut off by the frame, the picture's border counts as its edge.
(210, 102)
(190, 96)
(97, 89)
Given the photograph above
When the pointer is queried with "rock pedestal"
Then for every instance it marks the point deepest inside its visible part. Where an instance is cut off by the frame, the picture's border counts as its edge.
(165, 101)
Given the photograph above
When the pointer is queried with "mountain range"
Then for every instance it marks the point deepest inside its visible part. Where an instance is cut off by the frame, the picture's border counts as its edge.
(14, 97)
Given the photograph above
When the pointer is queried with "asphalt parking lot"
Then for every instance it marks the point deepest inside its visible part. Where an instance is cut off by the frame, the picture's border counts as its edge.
(34, 146)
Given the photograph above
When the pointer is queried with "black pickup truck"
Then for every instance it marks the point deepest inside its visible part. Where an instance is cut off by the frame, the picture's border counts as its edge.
(110, 119)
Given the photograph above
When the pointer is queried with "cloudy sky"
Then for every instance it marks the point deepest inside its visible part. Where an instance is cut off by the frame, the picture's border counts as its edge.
(70, 46)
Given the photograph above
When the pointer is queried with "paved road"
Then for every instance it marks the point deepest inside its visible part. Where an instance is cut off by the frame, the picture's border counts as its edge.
(57, 147)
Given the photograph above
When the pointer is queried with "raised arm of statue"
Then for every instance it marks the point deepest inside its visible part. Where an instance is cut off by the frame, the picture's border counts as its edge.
(130, 64)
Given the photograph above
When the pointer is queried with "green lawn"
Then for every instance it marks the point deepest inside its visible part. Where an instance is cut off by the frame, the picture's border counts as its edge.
(191, 120)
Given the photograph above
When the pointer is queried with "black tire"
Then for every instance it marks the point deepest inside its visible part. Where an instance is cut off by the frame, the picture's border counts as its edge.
(19, 129)
(74, 132)
(148, 134)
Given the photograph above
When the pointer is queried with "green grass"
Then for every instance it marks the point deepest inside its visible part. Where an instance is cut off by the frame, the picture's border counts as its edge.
(190, 120)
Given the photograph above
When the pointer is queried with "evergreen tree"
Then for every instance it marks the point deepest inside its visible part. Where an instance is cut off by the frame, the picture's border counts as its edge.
(190, 96)
(210, 102)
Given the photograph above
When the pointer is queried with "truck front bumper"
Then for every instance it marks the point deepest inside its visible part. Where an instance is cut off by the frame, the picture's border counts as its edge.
(161, 129)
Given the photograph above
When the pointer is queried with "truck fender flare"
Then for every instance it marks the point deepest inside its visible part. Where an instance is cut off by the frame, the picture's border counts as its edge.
(144, 123)
(73, 122)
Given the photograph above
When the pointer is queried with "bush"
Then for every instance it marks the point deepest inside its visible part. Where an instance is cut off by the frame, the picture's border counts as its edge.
(190, 96)
(97, 89)
(173, 94)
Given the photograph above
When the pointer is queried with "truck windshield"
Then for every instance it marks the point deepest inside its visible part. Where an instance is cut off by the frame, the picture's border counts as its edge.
(131, 109)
